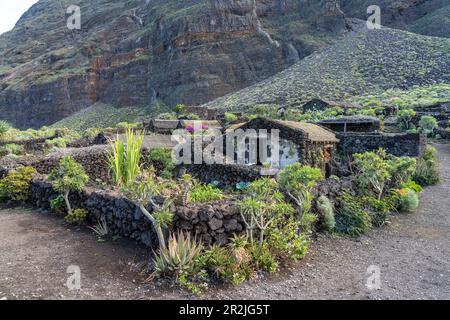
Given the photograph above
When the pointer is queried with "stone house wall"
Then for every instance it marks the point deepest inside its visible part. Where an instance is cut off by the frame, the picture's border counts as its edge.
(93, 159)
(405, 144)
(213, 223)
(445, 134)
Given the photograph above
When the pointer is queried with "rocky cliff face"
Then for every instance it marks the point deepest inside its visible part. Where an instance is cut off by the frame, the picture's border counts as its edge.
(131, 53)
(135, 52)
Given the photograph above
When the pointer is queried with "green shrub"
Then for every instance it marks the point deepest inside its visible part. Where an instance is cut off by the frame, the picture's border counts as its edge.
(408, 200)
(326, 211)
(125, 158)
(230, 117)
(190, 116)
(227, 265)
(285, 240)
(379, 210)
(264, 259)
(372, 172)
(16, 185)
(15, 149)
(179, 108)
(202, 193)
(76, 216)
(179, 255)
(262, 207)
(163, 157)
(91, 133)
(69, 176)
(427, 171)
(126, 125)
(57, 142)
(297, 181)
(352, 219)
(401, 169)
(410, 184)
(404, 118)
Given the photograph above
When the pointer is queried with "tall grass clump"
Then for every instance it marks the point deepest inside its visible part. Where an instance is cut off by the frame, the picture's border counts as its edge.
(125, 157)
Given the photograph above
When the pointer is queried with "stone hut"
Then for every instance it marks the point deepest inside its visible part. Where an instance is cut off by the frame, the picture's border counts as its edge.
(307, 143)
(163, 126)
(352, 124)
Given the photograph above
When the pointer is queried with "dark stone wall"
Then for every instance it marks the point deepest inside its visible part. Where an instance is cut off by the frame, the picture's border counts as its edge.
(351, 127)
(407, 144)
(93, 159)
(213, 223)
(31, 145)
(122, 216)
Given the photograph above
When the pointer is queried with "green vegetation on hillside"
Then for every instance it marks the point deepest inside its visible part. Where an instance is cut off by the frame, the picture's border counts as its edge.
(364, 63)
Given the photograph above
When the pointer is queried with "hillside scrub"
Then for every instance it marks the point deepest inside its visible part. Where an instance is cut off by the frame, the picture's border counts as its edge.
(384, 185)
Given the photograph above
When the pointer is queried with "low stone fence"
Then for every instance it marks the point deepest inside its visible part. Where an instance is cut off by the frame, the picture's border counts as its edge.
(31, 145)
(226, 175)
(212, 223)
(404, 144)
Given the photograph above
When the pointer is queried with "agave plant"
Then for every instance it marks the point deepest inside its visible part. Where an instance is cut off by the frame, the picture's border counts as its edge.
(179, 255)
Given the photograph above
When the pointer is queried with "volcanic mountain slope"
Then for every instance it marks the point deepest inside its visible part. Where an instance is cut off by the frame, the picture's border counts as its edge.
(139, 52)
(436, 23)
(366, 62)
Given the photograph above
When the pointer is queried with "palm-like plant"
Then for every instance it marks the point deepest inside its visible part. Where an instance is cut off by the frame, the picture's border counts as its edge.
(143, 191)
(4, 128)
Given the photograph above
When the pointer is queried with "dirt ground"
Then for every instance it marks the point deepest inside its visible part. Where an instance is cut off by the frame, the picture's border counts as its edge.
(412, 254)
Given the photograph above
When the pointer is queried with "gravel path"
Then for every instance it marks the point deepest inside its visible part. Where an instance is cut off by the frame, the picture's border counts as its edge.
(412, 254)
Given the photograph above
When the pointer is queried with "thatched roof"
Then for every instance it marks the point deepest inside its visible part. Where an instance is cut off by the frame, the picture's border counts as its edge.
(351, 119)
(314, 132)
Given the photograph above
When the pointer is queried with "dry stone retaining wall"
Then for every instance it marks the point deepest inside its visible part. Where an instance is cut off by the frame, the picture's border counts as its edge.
(407, 144)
